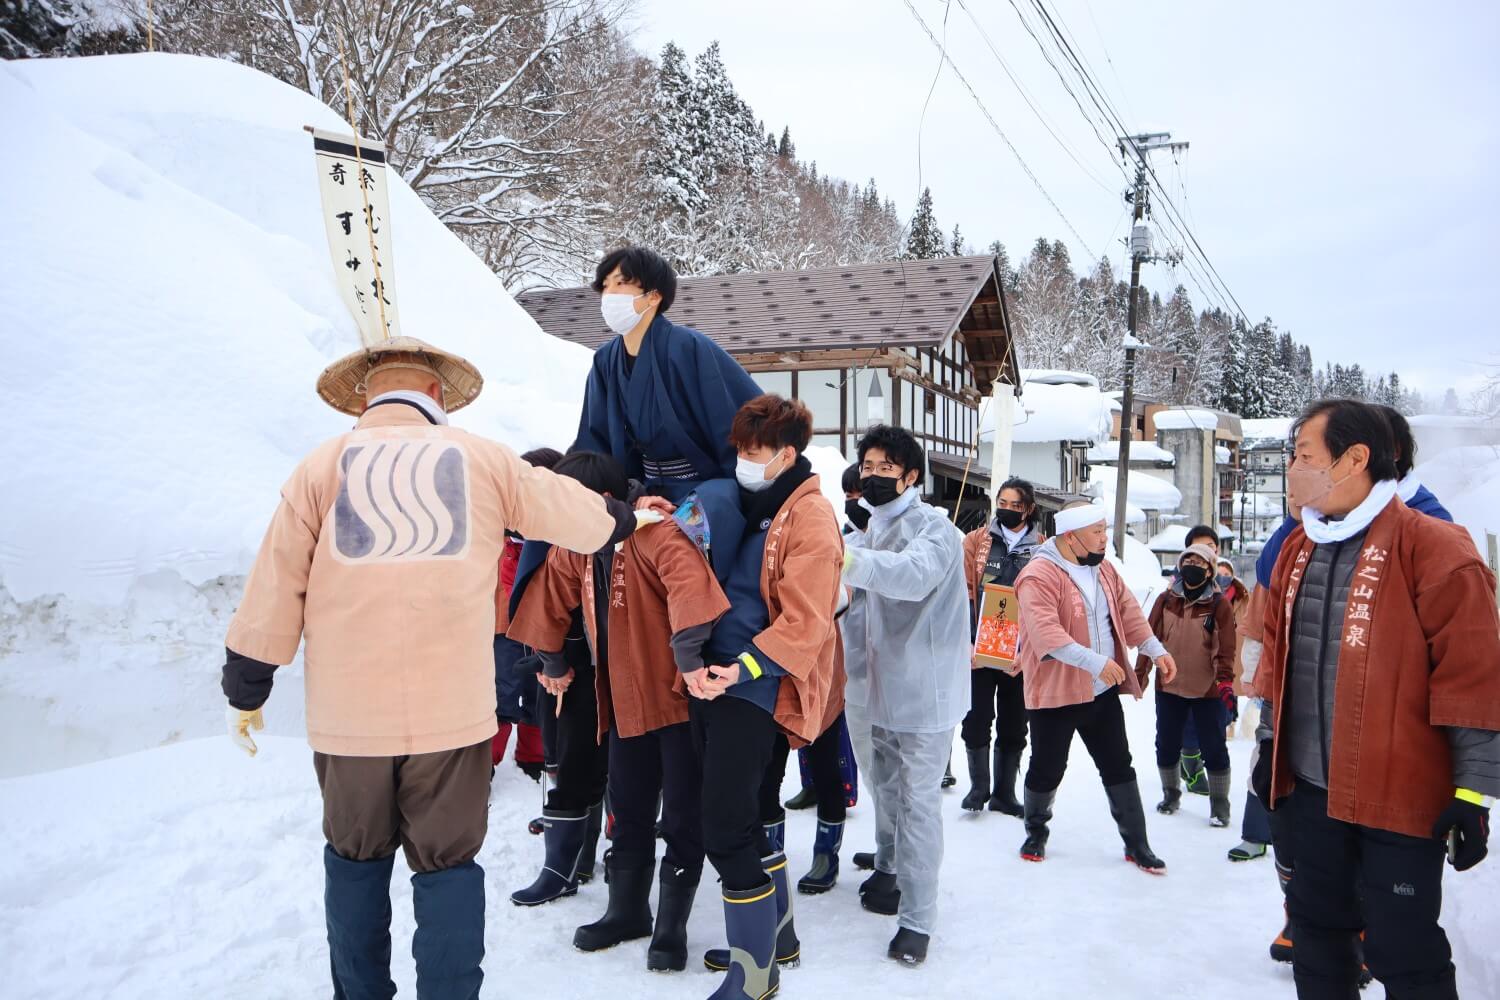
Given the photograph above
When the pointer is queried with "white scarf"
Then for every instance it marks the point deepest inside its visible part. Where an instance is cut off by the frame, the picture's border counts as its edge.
(1324, 532)
(1407, 488)
(421, 399)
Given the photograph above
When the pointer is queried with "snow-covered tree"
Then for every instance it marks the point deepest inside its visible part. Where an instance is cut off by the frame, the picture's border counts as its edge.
(924, 241)
(31, 29)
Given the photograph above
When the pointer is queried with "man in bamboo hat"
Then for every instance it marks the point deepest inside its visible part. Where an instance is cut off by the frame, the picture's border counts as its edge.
(384, 552)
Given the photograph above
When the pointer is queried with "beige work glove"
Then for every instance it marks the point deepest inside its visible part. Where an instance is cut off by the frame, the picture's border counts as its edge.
(240, 724)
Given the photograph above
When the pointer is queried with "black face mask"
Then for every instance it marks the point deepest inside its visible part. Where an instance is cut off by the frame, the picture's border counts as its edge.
(1194, 577)
(1091, 558)
(858, 516)
(879, 490)
(1011, 519)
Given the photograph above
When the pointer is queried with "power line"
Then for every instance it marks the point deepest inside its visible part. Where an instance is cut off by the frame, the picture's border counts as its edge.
(996, 126)
(1026, 96)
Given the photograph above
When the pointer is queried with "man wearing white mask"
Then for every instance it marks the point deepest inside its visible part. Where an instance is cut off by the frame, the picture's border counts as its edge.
(660, 397)
(908, 630)
(1078, 623)
(1382, 669)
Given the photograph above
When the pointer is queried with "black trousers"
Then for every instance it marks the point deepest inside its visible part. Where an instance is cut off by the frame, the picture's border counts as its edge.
(1171, 712)
(999, 699)
(1101, 724)
(828, 777)
(1352, 878)
(582, 761)
(735, 737)
(657, 769)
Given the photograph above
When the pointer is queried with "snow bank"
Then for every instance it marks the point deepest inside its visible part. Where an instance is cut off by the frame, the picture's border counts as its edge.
(1221, 455)
(1186, 419)
(1172, 538)
(1060, 411)
(829, 465)
(1266, 428)
(169, 302)
(1140, 451)
(1467, 481)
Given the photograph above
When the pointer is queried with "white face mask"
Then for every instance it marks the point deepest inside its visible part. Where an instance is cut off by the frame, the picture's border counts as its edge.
(619, 311)
(752, 475)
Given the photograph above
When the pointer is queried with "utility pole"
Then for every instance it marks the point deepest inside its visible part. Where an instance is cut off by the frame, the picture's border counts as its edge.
(1139, 147)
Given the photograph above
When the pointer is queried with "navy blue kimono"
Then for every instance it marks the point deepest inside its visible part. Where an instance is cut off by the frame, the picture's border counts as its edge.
(665, 417)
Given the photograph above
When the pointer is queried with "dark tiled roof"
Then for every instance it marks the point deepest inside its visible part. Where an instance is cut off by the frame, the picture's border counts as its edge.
(900, 303)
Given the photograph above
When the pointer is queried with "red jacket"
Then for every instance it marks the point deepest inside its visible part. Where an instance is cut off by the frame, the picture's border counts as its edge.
(1424, 603)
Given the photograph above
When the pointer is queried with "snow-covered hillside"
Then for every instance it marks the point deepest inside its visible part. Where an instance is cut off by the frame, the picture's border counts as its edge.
(168, 301)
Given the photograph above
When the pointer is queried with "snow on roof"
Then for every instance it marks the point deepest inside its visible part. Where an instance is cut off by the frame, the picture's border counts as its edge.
(1452, 420)
(1221, 455)
(177, 380)
(1052, 412)
(1257, 505)
(1186, 419)
(1146, 492)
(1140, 451)
(1172, 538)
(1266, 428)
(1057, 376)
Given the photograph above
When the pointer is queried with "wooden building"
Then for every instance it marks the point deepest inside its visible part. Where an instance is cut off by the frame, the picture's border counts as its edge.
(916, 343)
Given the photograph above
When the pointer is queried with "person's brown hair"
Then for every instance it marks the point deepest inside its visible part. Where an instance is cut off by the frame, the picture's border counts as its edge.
(771, 421)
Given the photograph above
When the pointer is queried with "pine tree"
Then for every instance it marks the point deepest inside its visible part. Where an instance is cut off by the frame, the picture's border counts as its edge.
(1450, 401)
(785, 148)
(956, 244)
(925, 239)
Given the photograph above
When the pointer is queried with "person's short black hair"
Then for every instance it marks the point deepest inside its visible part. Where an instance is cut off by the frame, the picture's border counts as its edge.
(1351, 422)
(598, 472)
(542, 458)
(899, 447)
(1028, 495)
(1403, 440)
(851, 479)
(1201, 531)
(646, 268)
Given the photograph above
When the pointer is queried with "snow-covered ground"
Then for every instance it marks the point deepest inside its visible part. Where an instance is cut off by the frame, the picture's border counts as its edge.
(193, 871)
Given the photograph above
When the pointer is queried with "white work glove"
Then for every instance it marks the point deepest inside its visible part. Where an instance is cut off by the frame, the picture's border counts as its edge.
(1250, 660)
(647, 516)
(240, 724)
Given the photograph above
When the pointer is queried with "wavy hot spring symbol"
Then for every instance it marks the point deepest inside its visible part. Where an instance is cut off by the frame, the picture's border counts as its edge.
(402, 500)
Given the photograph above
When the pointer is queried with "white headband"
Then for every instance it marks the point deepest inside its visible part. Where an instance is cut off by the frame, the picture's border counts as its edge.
(1079, 517)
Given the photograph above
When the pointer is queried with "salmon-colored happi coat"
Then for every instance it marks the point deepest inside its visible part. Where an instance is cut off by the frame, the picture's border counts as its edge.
(800, 581)
(660, 584)
(384, 554)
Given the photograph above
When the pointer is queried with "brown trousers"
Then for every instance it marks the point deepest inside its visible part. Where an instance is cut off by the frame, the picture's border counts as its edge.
(434, 806)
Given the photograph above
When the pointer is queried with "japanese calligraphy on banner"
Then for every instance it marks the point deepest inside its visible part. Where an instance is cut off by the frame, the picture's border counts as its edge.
(356, 215)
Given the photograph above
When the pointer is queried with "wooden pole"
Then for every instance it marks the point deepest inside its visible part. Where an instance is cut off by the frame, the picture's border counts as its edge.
(150, 33)
(385, 331)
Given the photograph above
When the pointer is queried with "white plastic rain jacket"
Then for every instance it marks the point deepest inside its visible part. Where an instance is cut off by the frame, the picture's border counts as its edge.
(906, 634)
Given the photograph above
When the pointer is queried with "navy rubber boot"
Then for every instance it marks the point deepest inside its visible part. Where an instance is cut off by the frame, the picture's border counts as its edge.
(750, 926)
(449, 942)
(776, 834)
(357, 902)
(588, 859)
(563, 837)
(788, 948)
(824, 873)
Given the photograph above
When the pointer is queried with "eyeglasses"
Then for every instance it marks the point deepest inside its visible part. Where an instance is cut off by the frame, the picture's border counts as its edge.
(882, 469)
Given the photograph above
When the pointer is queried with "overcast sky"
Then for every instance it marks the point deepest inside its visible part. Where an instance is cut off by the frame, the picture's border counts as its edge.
(1341, 174)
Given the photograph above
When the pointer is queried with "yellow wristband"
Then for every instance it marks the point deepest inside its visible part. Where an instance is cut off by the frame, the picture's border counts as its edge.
(751, 666)
(1470, 796)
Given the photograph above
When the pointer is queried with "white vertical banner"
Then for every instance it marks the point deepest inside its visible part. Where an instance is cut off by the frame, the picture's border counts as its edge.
(357, 217)
(1003, 399)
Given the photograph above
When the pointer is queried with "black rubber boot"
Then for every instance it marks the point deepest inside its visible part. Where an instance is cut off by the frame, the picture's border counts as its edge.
(948, 779)
(1192, 772)
(1171, 790)
(674, 904)
(588, 857)
(750, 927)
(979, 779)
(1003, 798)
(563, 838)
(1037, 809)
(879, 894)
(627, 916)
(908, 947)
(1218, 798)
(864, 860)
(805, 799)
(1130, 818)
